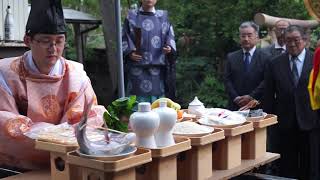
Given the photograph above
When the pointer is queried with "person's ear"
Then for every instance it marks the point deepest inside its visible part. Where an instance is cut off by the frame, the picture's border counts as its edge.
(27, 40)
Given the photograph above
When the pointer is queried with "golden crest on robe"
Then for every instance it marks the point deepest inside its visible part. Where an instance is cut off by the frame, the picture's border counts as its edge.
(313, 7)
(50, 107)
(15, 65)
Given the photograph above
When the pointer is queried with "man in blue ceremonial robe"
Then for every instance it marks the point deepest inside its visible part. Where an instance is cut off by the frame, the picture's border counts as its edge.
(149, 51)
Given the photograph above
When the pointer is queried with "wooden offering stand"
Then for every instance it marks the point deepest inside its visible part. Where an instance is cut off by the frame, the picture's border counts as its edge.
(164, 162)
(254, 143)
(226, 154)
(196, 163)
(122, 169)
(60, 169)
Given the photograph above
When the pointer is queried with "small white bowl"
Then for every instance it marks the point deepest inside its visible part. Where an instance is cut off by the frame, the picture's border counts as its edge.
(128, 152)
(257, 118)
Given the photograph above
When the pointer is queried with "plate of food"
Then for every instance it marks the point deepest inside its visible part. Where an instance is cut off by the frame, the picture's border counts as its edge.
(186, 117)
(256, 115)
(222, 118)
(191, 129)
(129, 151)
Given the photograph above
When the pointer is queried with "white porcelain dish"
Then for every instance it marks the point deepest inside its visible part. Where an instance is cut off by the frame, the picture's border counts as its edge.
(126, 153)
(222, 118)
(191, 129)
(257, 118)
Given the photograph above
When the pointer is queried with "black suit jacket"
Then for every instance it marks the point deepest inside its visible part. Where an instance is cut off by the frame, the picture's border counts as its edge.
(238, 82)
(290, 103)
(271, 50)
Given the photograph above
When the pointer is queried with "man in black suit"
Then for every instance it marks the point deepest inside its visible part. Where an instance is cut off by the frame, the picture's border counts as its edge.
(296, 137)
(274, 50)
(279, 46)
(244, 69)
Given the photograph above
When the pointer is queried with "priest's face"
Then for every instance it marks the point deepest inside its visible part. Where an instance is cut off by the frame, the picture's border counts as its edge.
(148, 3)
(46, 49)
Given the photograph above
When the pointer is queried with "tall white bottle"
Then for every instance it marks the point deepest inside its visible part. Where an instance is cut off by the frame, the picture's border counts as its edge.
(8, 25)
(168, 118)
(145, 123)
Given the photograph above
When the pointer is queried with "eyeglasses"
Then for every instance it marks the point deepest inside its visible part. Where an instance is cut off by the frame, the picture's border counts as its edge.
(294, 40)
(280, 30)
(250, 35)
(47, 43)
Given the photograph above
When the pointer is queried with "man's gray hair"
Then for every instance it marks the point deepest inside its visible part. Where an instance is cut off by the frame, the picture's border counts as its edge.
(247, 24)
(297, 28)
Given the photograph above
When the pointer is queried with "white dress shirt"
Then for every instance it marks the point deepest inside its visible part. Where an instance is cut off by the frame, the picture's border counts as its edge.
(250, 52)
(299, 61)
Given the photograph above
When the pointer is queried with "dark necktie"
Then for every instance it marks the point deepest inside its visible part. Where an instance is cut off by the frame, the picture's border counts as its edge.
(246, 61)
(279, 50)
(147, 13)
(294, 70)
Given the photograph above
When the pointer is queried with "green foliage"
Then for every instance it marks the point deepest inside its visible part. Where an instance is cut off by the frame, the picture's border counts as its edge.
(206, 30)
(70, 45)
(212, 92)
(117, 110)
(123, 106)
(114, 123)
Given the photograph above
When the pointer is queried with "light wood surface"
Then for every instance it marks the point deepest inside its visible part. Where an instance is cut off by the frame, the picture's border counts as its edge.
(33, 175)
(246, 165)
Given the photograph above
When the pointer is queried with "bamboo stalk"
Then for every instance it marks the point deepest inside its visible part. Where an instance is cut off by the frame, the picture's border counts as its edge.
(111, 130)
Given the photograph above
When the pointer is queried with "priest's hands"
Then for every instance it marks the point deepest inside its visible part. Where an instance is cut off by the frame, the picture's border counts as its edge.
(135, 56)
(242, 100)
(166, 49)
(252, 104)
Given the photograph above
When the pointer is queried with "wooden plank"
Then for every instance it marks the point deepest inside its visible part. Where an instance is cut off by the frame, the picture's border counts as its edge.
(269, 120)
(246, 165)
(142, 156)
(33, 175)
(54, 147)
(235, 131)
(182, 144)
(216, 135)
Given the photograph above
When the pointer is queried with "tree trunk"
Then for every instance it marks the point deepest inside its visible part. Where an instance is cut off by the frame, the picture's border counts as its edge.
(109, 31)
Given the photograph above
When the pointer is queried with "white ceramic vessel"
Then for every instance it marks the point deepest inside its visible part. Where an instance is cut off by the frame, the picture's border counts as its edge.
(145, 123)
(196, 107)
(168, 118)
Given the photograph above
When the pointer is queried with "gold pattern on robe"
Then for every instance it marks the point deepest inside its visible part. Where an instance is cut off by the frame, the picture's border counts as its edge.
(72, 96)
(15, 66)
(15, 127)
(50, 106)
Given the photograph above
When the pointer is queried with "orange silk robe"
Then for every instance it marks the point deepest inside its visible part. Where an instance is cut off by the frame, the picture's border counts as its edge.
(36, 98)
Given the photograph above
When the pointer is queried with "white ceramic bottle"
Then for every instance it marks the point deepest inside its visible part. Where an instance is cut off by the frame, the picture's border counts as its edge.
(168, 118)
(145, 123)
(8, 25)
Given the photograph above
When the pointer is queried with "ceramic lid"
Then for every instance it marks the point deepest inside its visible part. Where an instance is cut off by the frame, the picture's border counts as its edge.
(163, 103)
(196, 102)
(144, 107)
